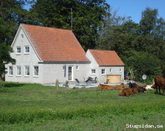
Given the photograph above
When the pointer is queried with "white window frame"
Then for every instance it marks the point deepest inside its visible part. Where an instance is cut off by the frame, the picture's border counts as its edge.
(34, 71)
(9, 71)
(18, 53)
(17, 70)
(25, 70)
(94, 72)
(25, 49)
(104, 71)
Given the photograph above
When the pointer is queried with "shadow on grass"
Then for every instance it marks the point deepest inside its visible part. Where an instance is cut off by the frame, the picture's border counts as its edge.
(10, 84)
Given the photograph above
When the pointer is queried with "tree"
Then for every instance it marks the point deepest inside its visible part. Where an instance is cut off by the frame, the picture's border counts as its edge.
(83, 17)
(9, 19)
(4, 58)
(140, 45)
(143, 63)
(148, 21)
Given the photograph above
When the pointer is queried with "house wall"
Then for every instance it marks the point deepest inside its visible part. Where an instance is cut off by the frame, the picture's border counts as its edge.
(23, 59)
(53, 72)
(115, 70)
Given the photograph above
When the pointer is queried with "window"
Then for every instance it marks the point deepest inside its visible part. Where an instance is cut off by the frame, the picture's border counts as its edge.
(27, 49)
(77, 67)
(102, 71)
(36, 70)
(64, 68)
(93, 71)
(120, 69)
(18, 50)
(18, 70)
(10, 70)
(110, 70)
(27, 70)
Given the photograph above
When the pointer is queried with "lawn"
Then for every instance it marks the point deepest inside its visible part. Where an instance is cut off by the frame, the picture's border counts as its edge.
(35, 107)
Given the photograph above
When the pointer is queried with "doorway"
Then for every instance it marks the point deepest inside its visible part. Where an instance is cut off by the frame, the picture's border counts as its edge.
(70, 73)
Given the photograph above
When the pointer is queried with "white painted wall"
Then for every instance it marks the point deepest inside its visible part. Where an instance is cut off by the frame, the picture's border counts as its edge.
(23, 59)
(53, 72)
(115, 70)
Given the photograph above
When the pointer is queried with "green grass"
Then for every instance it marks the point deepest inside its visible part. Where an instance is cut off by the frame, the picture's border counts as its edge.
(35, 107)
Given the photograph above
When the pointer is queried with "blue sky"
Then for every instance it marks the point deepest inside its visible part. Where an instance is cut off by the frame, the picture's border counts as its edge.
(134, 8)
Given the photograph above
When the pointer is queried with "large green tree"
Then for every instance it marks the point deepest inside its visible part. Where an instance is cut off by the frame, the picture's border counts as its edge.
(84, 17)
(141, 45)
(10, 13)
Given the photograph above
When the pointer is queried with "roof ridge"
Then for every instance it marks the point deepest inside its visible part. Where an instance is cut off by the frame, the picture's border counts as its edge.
(102, 50)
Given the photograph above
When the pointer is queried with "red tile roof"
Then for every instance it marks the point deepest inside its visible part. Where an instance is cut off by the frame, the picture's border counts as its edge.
(106, 58)
(55, 45)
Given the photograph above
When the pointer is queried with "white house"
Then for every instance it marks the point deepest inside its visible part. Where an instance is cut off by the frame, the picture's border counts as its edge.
(44, 55)
(106, 66)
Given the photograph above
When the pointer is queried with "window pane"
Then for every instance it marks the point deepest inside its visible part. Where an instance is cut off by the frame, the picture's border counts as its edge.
(27, 70)
(93, 71)
(36, 70)
(18, 49)
(18, 70)
(102, 71)
(27, 49)
(10, 70)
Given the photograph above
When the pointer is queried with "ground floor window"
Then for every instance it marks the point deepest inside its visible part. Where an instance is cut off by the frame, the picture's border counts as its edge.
(36, 70)
(11, 70)
(93, 71)
(18, 70)
(102, 71)
(27, 70)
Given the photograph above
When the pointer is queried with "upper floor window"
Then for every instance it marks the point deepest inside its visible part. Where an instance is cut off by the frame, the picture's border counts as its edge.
(18, 70)
(102, 71)
(27, 70)
(110, 70)
(27, 49)
(10, 70)
(18, 50)
(36, 70)
(93, 71)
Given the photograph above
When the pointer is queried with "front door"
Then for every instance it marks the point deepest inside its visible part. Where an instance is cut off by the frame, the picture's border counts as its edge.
(70, 73)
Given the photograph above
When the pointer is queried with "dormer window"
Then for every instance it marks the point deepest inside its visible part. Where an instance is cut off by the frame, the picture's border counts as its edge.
(27, 49)
(18, 50)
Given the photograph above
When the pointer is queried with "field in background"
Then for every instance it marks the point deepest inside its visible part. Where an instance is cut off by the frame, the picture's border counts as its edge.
(35, 107)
